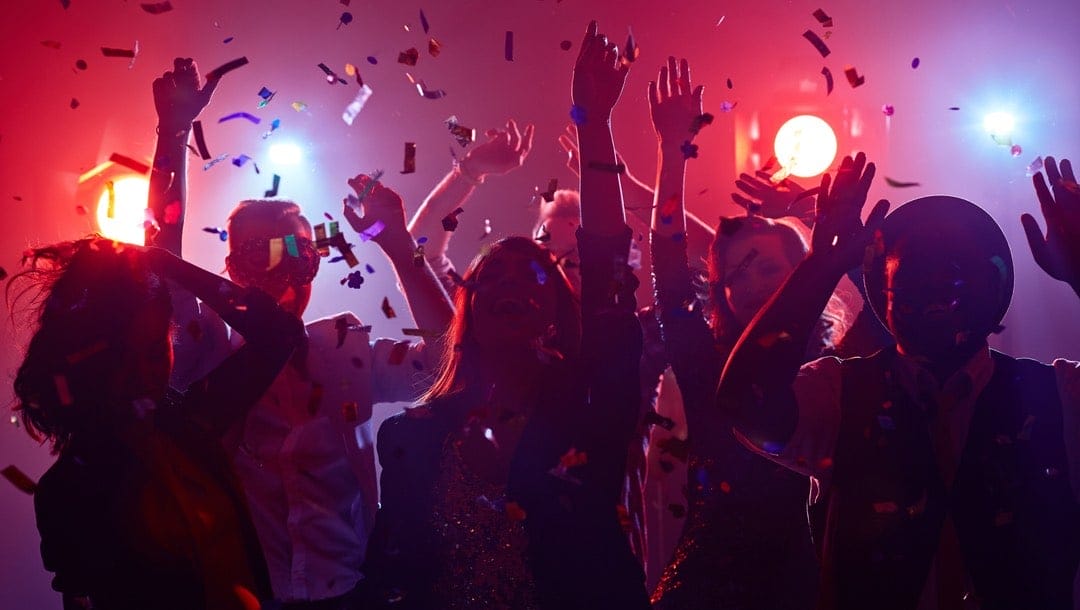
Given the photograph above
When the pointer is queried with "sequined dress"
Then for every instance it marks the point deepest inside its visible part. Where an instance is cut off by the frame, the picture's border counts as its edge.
(482, 544)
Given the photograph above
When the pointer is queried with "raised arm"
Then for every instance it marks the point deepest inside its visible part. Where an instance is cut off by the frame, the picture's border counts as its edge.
(270, 335)
(599, 76)
(1058, 252)
(178, 100)
(430, 307)
(674, 107)
(504, 151)
(202, 340)
(756, 386)
(638, 201)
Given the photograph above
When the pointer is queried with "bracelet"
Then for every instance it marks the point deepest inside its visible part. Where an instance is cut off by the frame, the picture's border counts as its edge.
(468, 177)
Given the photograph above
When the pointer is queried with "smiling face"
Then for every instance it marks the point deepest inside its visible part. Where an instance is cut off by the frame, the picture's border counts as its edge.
(289, 281)
(514, 303)
(756, 268)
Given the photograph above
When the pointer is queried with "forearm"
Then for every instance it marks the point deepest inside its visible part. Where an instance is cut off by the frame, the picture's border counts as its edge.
(756, 386)
(601, 193)
(449, 194)
(430, 306)
(168, 184)
(699, 239)
(669, 213)
(257, 319)
(638, 197)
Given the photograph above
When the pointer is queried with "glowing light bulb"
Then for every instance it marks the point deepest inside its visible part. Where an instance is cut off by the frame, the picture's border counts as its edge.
(999, 123)
(805, 146)
(286, 153)
(121, 213)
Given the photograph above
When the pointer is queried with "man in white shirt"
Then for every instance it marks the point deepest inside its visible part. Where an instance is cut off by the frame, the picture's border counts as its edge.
(953, 470)
(304, 454)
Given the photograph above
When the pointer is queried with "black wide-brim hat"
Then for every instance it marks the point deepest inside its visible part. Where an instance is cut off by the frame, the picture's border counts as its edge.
(954, 225)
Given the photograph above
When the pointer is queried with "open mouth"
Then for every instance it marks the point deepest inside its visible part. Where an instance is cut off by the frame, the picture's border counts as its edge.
(510, 307)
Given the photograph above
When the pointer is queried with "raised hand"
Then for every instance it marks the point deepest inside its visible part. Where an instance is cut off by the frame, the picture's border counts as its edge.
(505, 150)
(772, 200)
(599, 76)
(568, 141)
(379, 204)
(674, 104)
(178, 98)
(1058, 252)
(839, 233)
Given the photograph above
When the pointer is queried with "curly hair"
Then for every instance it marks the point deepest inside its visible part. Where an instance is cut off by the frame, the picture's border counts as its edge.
(85, 298)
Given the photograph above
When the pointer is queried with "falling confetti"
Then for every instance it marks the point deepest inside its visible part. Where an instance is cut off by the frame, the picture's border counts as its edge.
(915, 63)
(824, 19)
(888, 110)
(156, 8)
(700, 121)
(899, 184)
(240, 115)
(200, 140)
(853, 77)
(410, 158)
(409, 57)
(19, 479)
(827, 73)
(818, 43)
(355, 106)
(224, 69)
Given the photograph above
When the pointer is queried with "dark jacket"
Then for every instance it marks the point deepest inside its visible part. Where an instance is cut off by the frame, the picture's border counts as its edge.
(1016, 518)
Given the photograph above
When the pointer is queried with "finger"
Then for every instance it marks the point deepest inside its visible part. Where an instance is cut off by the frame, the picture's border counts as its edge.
(749, 189)
(1050, 165)
(513, 136)
(178, 63)
(684, 77)
(1036, 241)
(1066, 170)
(673, 77)
(1046, 199)
(697, 96)
(566, 144)
(858, 164)
(866, 179)
(821, 206)
(208, 89)
(877, 215)
(759, 184)
(654, 98)
(527, 139)
(587, 41)
(492, 133)
(742, 202)
(664, 84)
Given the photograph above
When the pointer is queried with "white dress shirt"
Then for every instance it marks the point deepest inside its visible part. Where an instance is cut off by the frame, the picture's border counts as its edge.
(306, 458)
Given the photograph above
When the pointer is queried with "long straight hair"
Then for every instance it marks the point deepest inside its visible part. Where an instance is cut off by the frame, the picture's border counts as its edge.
(459, 368)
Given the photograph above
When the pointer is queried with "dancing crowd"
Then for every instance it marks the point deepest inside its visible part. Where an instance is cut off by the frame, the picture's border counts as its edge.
(852, 440)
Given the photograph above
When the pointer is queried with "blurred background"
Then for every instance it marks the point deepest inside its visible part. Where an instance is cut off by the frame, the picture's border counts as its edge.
(65, 108)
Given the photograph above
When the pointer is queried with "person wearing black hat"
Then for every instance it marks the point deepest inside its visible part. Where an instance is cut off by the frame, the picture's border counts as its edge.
(954, 469)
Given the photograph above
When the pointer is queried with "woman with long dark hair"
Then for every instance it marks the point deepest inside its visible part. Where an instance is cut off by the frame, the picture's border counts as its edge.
(500, 489)
(140, 509)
